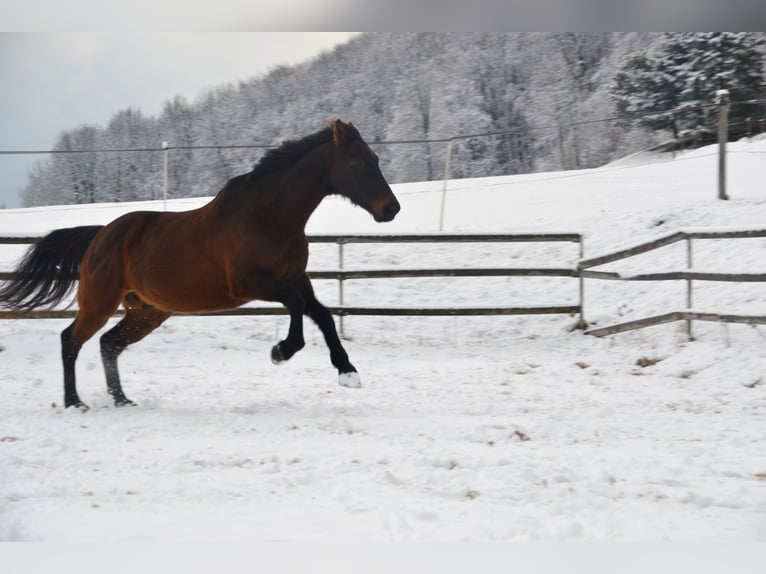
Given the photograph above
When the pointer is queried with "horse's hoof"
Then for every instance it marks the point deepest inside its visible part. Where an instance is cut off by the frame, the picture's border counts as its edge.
(276, 355)
(350, 380)
(124, 402)
(80, 406)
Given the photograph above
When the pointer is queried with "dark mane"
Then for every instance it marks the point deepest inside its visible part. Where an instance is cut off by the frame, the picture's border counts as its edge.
(287, 154)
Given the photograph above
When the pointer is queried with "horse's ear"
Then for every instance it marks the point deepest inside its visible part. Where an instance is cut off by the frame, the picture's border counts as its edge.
(338, 131)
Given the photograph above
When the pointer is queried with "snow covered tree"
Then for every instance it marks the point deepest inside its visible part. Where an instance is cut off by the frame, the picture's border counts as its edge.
(647, 86)
(500, 81)
(42, 188)
(78, 170)
(415, 93)
(130, 175)
(538, 87)
(685, 72)
(176, 126)
(409, 162)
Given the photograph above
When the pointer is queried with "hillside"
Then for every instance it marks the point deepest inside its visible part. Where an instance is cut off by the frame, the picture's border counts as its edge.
(394, 87)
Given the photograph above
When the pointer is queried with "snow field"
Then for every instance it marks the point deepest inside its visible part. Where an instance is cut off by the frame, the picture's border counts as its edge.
(526, 438)
(478, 428)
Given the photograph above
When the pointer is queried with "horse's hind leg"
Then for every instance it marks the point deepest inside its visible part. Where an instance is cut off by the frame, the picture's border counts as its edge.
(139, 321)
(73, 337)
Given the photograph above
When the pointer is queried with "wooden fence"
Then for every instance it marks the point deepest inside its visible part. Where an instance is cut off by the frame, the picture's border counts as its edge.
(688, 275)
(583, 270)
(341, 274)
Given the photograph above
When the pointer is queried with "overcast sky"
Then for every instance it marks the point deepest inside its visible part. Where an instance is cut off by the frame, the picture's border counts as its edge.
(51, 82)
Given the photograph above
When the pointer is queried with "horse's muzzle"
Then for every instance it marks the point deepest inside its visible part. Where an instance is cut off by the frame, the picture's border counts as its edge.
(389, 211)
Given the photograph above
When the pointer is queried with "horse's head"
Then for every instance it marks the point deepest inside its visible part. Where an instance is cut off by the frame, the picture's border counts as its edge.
(355, 173)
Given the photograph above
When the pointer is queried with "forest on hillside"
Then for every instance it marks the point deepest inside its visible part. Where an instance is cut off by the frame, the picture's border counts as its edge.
(543, 92)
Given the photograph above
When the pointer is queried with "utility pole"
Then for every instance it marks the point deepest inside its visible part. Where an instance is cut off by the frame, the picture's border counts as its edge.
(165, 176)
(444, 185)
(722, 98)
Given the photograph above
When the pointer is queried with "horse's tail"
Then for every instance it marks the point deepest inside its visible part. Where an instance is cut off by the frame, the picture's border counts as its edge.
(49, 269)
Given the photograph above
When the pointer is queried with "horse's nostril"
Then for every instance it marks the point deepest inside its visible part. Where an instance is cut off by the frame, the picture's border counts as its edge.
(391, 209)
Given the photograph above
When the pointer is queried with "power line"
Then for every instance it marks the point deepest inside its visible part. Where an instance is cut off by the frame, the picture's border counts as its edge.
(443, 140)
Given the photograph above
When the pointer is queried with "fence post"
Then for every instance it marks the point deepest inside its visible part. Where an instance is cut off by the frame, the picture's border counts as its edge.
(165, 176)
(689, 302)
(722, 97)
(340, 287)
(582, 324)
(444, 185)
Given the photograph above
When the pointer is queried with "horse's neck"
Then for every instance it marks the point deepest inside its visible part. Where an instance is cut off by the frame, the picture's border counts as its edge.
(285, 200)
(299, 191)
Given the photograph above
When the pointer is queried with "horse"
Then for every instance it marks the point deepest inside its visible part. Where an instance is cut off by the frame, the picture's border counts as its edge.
(248, 243)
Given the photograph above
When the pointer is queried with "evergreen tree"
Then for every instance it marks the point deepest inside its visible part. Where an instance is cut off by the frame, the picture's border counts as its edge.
(647, 85)
(685, 72)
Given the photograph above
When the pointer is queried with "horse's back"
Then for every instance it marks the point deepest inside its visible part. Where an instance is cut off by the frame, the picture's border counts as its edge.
(168, 259)
(110, 244)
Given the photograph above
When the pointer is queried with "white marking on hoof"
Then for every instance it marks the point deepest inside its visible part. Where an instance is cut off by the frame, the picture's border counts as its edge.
(350, 380)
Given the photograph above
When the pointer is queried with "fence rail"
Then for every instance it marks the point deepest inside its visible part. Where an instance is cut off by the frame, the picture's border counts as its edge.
(338, 311)
(676, 316)
(668, 240)
(688, 275)
(678, 275)
(342, 275)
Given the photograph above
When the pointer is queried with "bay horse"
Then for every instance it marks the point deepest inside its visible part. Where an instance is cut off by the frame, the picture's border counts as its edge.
(248, 243)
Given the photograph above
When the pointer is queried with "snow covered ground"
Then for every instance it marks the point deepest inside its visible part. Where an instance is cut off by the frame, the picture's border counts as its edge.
(478, 429)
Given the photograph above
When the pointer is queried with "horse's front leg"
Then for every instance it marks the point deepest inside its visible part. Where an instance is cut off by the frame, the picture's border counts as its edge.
(295, 304)
(347, 374)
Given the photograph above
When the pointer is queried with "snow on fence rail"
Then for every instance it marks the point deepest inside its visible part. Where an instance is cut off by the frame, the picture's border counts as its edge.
(342, 275)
